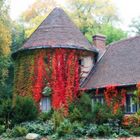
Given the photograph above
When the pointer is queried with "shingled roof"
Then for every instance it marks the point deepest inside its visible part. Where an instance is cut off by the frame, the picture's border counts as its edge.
(57, 31)
(120, 65)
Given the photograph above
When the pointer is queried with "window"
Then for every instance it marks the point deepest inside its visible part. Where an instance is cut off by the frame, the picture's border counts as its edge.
(45, 104)
(98, 99)
(130, 106)
(81, 62)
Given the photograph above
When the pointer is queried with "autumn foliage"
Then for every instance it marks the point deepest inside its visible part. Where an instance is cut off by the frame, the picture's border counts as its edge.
(57, 69)
(114, 98)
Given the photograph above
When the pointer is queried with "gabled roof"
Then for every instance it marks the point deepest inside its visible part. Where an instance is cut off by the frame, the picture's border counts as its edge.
(57, 31)
(120, 65)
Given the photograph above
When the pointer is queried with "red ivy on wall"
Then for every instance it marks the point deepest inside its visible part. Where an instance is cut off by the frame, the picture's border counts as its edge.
(61, 73)
(39, 74)
(138, 91)
(114, 98)
(65, 78)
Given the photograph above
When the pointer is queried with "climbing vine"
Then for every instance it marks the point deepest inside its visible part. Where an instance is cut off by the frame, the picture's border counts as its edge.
(114, 98)
(57, 69)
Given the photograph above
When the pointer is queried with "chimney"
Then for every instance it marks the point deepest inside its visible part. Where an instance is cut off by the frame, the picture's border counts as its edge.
(99, 42)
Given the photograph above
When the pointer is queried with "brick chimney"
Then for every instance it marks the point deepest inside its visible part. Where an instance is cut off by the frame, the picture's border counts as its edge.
(99, 42)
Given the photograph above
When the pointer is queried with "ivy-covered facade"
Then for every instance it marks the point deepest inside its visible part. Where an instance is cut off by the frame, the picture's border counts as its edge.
(48, 68)
(57, 62)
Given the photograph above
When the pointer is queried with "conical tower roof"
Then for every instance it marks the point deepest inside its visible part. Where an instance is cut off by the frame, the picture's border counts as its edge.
(57, 31)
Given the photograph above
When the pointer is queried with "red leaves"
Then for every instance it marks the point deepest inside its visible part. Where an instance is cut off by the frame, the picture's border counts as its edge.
(65, 78)
(114, 98)
(62, 74)
(39, 73)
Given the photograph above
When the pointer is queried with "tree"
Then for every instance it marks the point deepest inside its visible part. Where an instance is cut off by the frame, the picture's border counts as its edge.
(35, 14)
(112, 33)
(94, 16)
(91, 16)
(18, 36)
(135, 25)
(5, 42)
(90, 13)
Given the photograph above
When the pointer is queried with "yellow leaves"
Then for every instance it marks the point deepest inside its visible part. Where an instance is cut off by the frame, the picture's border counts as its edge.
(35, 22)
(5, 40)
(35, 14)
(105, 8)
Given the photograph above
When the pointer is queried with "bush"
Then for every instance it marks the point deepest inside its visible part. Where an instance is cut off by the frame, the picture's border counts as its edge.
(6, 112)
(24, 109)
(65, 128)
(103, 114)
(44, 116)
(7, 134)
(130, 121)
(92, 130)
(104, 130)
(135, 131)
(79, 107)
(124, 133)
(38, 127)
(78, 129)
(19, 131)
(57, 118)
(2, 129)
(75, 115)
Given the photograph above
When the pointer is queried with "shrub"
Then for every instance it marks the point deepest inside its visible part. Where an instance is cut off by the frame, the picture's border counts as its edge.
(38, 127)
(2, 129)
(104, 130)
(57, 118)
(135, 131)
(78, 129)
(64, 128)
(44, 116)
(24, 109)
(130, 121)
(19, 131)
(92, 130)
(103, 114)
(6, 112)
(124, 133)
(75, 115)
(79, 107)
(7, 134)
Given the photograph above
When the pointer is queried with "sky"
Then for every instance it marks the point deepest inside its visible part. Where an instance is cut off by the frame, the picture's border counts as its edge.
(127, 10)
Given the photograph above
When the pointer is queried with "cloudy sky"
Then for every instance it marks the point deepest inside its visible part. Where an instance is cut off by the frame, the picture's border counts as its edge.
(127, 9)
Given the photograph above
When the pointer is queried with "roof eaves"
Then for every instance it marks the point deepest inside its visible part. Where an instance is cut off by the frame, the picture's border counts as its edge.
(103, 87)
(54, 47)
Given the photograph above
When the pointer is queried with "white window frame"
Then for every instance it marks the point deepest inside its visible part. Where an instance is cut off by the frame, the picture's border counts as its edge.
(131, 106)
(98, 99)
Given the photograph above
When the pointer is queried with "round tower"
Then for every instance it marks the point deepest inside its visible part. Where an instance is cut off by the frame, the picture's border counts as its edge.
(52, 62)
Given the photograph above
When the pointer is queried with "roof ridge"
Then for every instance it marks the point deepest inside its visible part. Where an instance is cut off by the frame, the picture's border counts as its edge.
(40, 24)
(122, 40)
